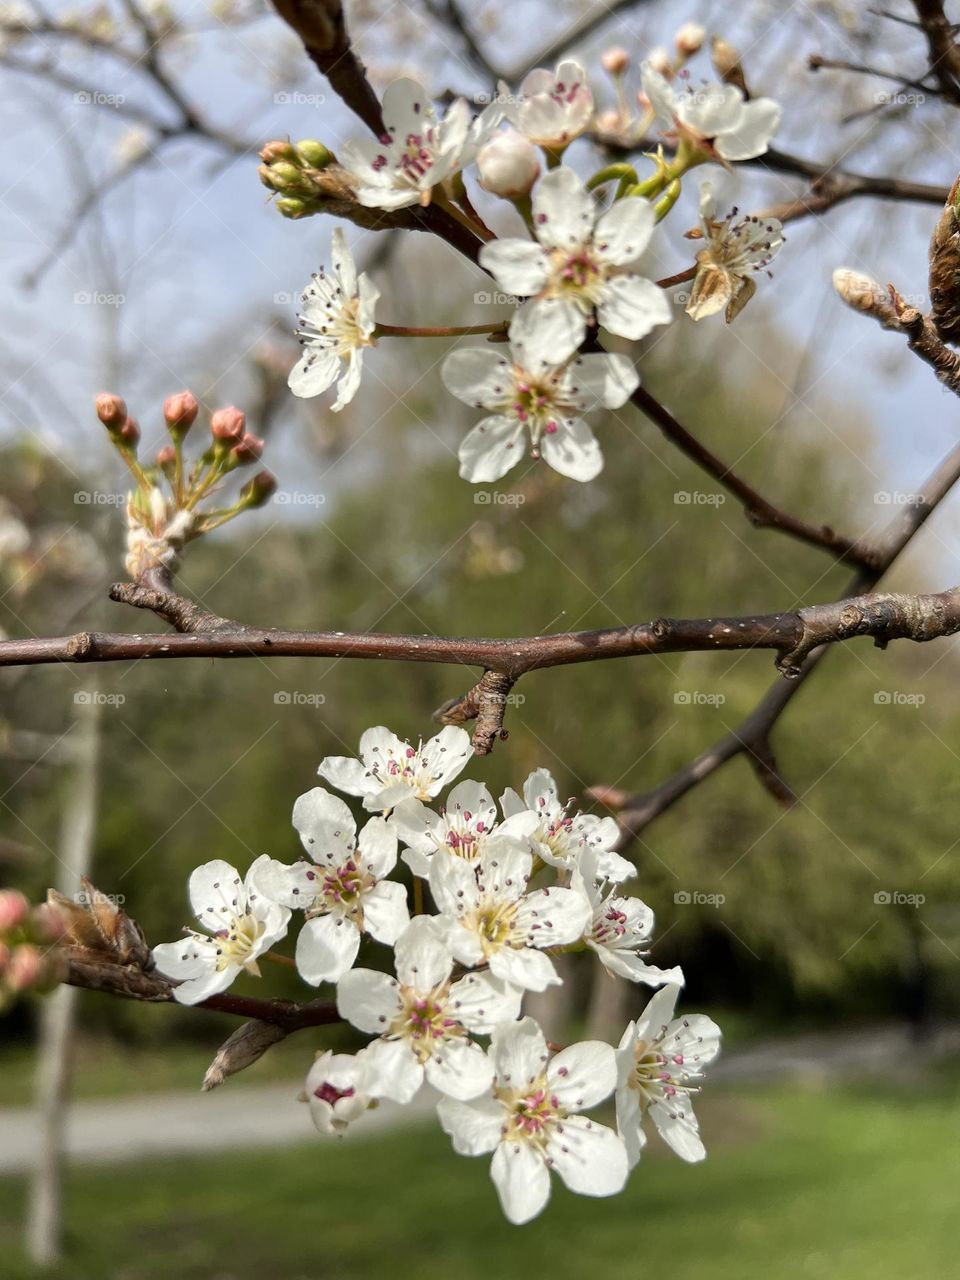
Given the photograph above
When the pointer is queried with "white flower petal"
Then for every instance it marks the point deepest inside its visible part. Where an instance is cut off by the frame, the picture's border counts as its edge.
(573, 451)
(326, 948)
(342, 261)
(392, 1070)
(325, 825)
(290, 886)
(446, 754)
(554, 917)
(583, 1074)
(564, 211)
(678, 1127)
(460, 1069)
(346, 774)
(630, 1121)
(632, 306)
(624, 231)
(602, 380)
(590, 1158)
(490, 449)
(385, 911)
(368, 1000)
(524, 967)
(757, 123)
(348, 385)
(519, 267)
(378, 847)
(422, 956)
(521, 1179)
(478, 376)
(482, 1003)
(547, 331)
(519, 1053)
(315, 371)
(216, 894)
(474, 1128)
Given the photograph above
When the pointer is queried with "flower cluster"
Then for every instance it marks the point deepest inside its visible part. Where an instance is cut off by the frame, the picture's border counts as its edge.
(28, 958)
(170, 505)
(512, 886)
(574, 273)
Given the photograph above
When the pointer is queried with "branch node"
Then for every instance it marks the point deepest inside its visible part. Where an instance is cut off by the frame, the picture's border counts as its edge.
(486, 703)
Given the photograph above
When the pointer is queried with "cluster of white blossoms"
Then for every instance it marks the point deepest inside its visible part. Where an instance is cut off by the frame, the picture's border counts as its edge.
(510, 888)
(574, 273)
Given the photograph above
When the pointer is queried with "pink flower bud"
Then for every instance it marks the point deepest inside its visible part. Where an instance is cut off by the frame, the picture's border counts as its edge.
(661, 61)
(111, 410)
(14, 909)
(166, 457)
(180, 412)
(274, 151)
(129, 433)
(228, 424)
(49, 924)
(248, 449)
(259, 491)
(615, 61)
(609, 121)
(509, 165)
(689, 39)
(25, 968)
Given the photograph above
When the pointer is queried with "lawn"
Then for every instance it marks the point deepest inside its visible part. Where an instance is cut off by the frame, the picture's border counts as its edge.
(818, 1184)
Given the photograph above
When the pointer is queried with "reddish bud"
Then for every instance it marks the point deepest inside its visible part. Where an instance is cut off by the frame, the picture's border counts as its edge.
(180, 413)
(248, 449)
(50, 926)
(228, 424)
(111, 410)
(258, 491)
(615, 61)
(274, 151)
(166, 458)
(25, 968)
(14, 909)
(129, 433)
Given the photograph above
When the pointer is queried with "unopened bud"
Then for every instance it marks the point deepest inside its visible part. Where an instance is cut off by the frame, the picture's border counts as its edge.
(285, 175)
(509, 165)
(48, 923)
(314, 153)
(944, 259)
(857, 290)
(14, 909)
(661, 61)
(180, 413)
(615, 61)
(129, 433)
(248, 449)
(609, 121)
(274, 151)
(290, 207)
(167, 459)
(258, 491)
(24, 969)
(228, 424)
(726, 63)
(689, 39)
(111, 410)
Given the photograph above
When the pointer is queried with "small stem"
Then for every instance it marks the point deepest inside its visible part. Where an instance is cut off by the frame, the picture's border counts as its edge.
(476, 229)
(612, 173)
(417, 896)
(287, 961)
(680, 278)
(437, 331)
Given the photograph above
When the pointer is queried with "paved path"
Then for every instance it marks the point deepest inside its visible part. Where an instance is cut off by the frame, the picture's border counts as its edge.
(245, 1116)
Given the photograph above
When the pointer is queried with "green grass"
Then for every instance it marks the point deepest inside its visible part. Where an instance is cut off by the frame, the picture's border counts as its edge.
(853, 1184)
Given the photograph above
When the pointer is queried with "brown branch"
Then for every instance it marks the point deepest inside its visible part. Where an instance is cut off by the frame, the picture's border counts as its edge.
(944, 53)
(94, 973)
(486, 703)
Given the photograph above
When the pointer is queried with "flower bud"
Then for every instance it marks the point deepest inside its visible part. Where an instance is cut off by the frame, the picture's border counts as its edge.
(248, 449)
(509, 165)
(111, 410)
(49, 925)
(129, 433)
(284, 176)
(258, 491)
(180, 413)
(615, 61)
(291, 207)
(167, 459)
(14, 909)
(228, 424)
(661, 61)
(609, 121)
(314, 154)
(859, 291)
(274, 151)
(689, 39)
(25, 968)
(726, 63)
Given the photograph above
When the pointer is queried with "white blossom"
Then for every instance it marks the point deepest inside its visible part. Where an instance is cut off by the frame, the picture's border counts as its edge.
(418, 150)
(241, 925)
(508, 164)
(561, 837)
(552, 107)
(532, 1122)
(335, 1090)
(579, 263)
(464, 828)
(423, 1019)
(714, 119)
(528, 398)
(343, 888)
(734, 252)
(336, 325)
(495, 921)
(390, 769)
(659, 1065)
(619, 928)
